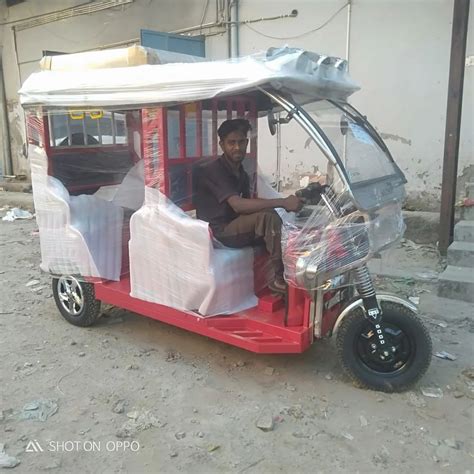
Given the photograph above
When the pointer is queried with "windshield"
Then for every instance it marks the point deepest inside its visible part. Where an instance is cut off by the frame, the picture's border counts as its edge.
(362, 156)
(332, 143)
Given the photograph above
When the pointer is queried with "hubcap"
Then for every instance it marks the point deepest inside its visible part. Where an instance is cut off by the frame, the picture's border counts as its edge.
(393, 356)
(70, 295)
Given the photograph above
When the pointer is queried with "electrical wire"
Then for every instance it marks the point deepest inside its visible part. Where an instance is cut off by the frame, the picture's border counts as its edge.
(206, 6)
(82, 9)
(43, 14)
(301, 34)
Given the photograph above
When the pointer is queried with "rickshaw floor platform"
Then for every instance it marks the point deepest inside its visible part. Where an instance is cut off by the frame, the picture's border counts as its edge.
(256, 330)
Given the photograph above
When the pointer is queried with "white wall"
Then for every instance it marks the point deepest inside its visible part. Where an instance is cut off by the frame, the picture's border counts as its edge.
(72, 35)
(399, 54)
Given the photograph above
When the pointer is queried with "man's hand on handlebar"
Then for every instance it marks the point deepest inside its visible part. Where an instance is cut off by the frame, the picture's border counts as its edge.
(292, 203)
(312, 193)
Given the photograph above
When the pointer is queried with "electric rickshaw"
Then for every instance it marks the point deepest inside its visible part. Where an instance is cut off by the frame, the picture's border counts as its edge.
(115, 153)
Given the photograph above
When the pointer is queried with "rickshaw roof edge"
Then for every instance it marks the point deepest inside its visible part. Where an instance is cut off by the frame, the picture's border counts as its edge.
(303, 74)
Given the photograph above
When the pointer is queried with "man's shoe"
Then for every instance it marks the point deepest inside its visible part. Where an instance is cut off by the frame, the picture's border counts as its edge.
(278, 286)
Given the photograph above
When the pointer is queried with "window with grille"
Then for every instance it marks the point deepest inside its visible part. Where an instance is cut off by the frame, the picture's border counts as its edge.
(87, 129)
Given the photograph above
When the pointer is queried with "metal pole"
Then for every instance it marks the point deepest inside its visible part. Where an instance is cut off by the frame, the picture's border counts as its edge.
(4, 128)
(453, 123)
(234, 28)
(348, 32)
(348, 50)
(278, 154)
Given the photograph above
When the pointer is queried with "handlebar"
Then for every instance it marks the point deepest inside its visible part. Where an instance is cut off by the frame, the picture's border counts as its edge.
(315, 192)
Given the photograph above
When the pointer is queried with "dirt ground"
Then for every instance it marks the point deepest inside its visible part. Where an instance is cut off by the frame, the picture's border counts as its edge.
(134, 395)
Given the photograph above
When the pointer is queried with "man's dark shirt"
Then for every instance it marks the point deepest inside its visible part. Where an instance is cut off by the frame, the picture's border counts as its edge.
(216, 182)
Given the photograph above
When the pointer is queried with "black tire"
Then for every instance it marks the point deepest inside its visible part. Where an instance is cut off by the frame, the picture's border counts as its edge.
(83, 311)
(402, 330)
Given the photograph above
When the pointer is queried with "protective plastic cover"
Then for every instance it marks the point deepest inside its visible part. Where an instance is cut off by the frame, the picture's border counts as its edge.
(112, 58)
(305, 74)
(319, 245)
(113, 186)
(102, 214)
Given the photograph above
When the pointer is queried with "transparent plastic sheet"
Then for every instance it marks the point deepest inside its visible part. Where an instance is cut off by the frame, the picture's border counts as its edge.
(319, 245)
(174, 258)
(112, 58)
(360, 212)
(83, 198)
(95, 179)
(97, 218)
(173, 262)
(116, 186)
(305, 74)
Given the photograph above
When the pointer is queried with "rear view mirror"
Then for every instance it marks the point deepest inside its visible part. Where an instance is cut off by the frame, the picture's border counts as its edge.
(272, 122)
(344, 124)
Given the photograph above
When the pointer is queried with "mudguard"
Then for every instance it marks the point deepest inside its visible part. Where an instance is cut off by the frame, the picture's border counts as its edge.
(358, 303)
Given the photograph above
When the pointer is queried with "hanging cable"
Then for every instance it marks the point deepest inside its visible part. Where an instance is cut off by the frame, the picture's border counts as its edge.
(82, 9)
(206, 6)
(301, 34)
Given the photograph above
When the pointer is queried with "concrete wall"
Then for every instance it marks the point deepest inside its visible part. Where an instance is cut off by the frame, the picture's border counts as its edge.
(75, 34)
(399, 54)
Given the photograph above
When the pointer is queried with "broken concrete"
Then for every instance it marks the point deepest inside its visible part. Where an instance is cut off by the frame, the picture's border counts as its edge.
(457, 283)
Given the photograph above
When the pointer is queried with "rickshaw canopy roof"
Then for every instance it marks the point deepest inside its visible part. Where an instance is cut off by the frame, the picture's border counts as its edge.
(307, 76)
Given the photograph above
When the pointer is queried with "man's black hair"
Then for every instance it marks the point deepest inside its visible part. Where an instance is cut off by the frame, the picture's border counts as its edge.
(229, 126)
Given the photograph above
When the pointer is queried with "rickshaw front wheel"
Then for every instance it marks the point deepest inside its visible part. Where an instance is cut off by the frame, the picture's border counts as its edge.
(76, 300)
(393, 367)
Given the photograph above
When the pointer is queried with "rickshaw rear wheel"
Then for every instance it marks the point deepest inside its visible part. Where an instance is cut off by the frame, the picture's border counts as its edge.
(397, 365)
(76, 300)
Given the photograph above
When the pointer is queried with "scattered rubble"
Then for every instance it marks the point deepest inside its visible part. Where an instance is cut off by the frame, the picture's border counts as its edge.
(173, 356)
(7, 461)
(269, 371)
(39, 410)
(17, 213)
(363, 420)
(445, 355)
(432, 392)
(138, 422)
(415, 400)
(119, 406)
(265, 421)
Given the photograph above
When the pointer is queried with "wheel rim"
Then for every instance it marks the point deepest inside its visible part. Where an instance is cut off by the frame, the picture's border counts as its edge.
(70, 295)
(393, 357)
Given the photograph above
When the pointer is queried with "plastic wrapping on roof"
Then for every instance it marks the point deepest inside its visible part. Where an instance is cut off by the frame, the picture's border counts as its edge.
(112, 58)
(307, 75)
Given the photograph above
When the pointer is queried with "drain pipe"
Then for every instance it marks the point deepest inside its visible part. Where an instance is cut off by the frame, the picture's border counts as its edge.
(234, 50)
(348, 50)
(237, 30)
(348, 30)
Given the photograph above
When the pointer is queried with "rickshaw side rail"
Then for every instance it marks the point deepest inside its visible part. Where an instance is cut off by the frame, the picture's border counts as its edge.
(250, 329)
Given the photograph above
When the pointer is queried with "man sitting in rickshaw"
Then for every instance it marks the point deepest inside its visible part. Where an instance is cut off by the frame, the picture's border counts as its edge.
(223, 199)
